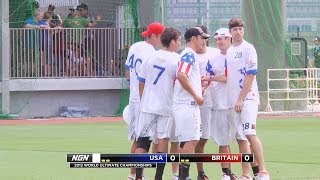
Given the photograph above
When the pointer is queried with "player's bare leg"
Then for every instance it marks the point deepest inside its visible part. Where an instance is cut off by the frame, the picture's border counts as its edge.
(254, 166)
(132, 175)
(244, 148)
(226, 167)
(143, 146)
(154, 147)
(200, 149)
(257, 150)
(162, 148)
(186, 148)
(174, 148)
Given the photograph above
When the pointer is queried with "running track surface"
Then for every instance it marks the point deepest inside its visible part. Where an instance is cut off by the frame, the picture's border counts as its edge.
(60, 120)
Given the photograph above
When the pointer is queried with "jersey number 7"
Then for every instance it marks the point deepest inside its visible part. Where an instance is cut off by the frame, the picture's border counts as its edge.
(162, 69)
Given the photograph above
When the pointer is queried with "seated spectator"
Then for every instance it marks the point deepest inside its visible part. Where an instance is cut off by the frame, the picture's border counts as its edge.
(78, 64)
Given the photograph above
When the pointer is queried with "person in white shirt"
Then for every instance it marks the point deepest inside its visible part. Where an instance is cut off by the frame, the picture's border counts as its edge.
(205, 110)
(187, 96)
(157, 76)
(138, 52)
(243, 96)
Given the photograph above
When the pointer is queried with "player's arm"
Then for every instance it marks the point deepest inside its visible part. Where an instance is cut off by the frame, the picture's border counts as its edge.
(128, 64)
(127, 74)
(184, 70)
(247, 84)
(184, 81)
(141, 88)
(251, 66)
(217, 78)
(142, 77)
(212, 74)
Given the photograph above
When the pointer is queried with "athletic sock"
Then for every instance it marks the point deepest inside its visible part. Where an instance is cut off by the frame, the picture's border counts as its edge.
(255, 170)
(227, 171)
(139, 173)
(159, 171)
(184, 170)
(200, 173)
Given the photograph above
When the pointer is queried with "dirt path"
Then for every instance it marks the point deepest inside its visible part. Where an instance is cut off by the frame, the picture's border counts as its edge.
(59, 120)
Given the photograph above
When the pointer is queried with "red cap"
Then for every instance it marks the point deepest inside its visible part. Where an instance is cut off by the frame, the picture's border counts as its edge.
(153, 28)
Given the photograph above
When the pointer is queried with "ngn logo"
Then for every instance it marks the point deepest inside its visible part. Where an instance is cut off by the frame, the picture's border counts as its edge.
(80, 157)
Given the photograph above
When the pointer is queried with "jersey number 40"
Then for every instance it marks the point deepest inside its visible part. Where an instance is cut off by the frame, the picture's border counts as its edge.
(133, 64)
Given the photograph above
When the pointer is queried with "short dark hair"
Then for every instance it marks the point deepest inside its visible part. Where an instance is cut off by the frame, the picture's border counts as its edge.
(235, 22)
(83, 6)
(51, 7)
(168, 35)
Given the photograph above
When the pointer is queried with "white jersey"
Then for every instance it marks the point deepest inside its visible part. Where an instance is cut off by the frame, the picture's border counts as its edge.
(217, 66)
(189, 65)
(203, 63)
(138, 52)
(158, 74)
(241, 61)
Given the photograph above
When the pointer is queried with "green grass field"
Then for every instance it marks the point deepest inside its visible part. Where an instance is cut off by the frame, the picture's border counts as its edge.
(38, 152)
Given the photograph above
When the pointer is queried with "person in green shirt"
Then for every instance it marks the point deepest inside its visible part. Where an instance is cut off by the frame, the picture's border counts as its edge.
(76, 23)
(316, 52)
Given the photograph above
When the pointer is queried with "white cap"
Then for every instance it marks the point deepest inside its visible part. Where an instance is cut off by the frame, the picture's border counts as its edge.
(222, 32)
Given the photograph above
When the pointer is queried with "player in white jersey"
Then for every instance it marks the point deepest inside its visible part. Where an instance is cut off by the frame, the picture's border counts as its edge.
(220, 125)
(138, 52)
(243, 95)
(157, 76)
(205, 109)
(187, 96)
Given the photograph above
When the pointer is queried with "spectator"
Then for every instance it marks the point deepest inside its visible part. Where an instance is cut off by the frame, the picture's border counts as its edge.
(75, 21)
(35, 22)
(46, 53)
(83, 9)
(32, 37)
(78, 64)
(56, 20)
(75, 39)
(89, 44)
(316, 52)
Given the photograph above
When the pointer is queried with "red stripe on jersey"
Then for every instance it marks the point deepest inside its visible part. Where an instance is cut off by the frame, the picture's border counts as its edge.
(188, 68)
(226, 72)
(180, 67)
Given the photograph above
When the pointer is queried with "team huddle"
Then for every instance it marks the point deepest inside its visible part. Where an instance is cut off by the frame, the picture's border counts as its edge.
(185, 99)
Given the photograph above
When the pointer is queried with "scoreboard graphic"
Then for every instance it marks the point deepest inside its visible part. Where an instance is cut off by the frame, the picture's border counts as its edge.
(96, 160)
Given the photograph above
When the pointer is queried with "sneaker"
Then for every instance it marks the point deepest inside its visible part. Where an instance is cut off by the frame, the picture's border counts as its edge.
(225, 177)
(175, 176)
(203, 177)
(131, 177)
(244, 177)
(233, 177)
(262, 176)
